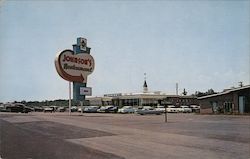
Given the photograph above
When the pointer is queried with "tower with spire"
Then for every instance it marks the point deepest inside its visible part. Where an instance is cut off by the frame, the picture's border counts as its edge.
(145, 86)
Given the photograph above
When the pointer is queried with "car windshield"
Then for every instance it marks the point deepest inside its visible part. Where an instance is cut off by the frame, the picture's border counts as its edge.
(171, 106)
(127, 107)
(160, 107)
(147, 107)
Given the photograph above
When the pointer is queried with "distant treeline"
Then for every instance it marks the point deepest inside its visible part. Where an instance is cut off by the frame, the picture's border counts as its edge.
(59, 102)
(208, 92)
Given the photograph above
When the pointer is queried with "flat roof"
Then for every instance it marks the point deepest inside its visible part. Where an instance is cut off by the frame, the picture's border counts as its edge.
(142, 95)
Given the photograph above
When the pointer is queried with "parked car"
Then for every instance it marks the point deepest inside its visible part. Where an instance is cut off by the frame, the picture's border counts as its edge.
(185, 109)
(102, 109)
(148, 110)
(172, 109)
(54, 108)
(79, 109)
(108, 109)
(74, 109)
(2, 108)
(61, 109)
(160, 107)
(38, 109)
(126, 109)
(48, 109)
(195, 108)
(112, 109)
(27, 109)
(18, 108)
(91, 109)
(179, 110)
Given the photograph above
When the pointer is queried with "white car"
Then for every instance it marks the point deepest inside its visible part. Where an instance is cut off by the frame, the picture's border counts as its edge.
(74, 109)
(195, 108)
(148, 110)
(161, 108)
(126, 109)
(48, 109)
(91, 109)
(172, 109)
(79, 109)
(102, 109)
(185, 109)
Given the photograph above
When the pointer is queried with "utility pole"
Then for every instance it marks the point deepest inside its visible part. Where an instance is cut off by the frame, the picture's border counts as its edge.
(166, 116)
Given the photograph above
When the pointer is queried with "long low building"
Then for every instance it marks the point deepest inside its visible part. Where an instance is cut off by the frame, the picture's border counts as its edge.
(236, 100)
(145, 98)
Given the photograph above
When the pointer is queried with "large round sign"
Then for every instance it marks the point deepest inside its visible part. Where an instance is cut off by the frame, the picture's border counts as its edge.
(74, 67)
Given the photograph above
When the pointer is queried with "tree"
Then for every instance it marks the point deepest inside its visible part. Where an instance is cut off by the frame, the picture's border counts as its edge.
(208, 92)
(184, 92)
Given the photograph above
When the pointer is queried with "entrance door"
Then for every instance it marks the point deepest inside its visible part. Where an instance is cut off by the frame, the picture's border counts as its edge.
(241, 104)
(228, 107)
(215, 107)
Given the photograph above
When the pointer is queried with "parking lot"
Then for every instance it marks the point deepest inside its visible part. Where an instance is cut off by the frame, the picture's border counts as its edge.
(101, 135)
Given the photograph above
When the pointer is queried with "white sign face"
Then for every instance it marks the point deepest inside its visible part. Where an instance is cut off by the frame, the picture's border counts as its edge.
(86, 91)
(83, 44)
(74, 68)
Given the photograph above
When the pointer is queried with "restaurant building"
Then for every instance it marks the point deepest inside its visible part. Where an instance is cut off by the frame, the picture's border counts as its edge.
(145, 98)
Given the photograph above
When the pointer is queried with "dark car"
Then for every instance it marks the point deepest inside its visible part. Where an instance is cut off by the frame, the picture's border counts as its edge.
(38, 109)
(18, 108)
(61, 109)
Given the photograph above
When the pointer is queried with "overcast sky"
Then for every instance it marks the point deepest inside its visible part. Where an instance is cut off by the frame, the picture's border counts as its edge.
(199, 44)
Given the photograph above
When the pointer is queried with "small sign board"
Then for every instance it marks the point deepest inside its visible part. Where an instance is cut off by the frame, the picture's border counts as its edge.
(86, 91)
(82, 42)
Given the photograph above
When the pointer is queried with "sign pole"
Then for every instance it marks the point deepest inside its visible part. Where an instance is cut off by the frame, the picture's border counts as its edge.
(69, 98)
(166, 117)
(81, 107)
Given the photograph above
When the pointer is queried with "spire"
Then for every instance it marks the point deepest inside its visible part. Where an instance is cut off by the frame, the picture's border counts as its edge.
(145, 86)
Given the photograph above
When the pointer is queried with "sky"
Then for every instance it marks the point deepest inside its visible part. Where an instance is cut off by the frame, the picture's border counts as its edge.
(197, 44)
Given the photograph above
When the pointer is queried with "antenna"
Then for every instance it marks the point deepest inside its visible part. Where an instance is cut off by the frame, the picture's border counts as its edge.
(176, 87)
(240, 84)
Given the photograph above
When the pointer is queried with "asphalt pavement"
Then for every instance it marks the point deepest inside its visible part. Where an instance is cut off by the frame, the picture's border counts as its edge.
(46, 140)
(131, 136)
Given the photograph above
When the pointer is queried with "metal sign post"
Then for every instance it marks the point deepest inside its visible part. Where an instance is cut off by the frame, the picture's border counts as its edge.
(69, 98)
(166, 117)
(81, 102)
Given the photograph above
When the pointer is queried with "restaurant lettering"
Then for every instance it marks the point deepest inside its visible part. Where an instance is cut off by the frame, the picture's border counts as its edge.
(77, 60)
(74, 67)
